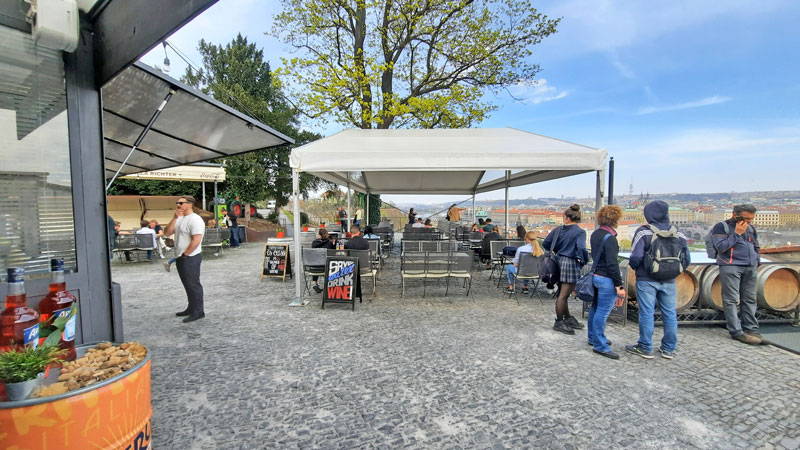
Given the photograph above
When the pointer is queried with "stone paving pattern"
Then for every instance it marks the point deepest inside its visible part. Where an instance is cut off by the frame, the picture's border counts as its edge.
(456, 372)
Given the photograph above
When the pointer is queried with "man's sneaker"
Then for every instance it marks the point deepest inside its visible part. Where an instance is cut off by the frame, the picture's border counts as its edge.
(573, 323)
(747, 339)
(317, 289)
(636, 350)
(508, 291)
(563, 327)
(166, 266)
(609, 354)
(665, 354)
(525, 291)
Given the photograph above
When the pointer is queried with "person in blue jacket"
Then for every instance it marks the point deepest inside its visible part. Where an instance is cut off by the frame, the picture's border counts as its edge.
(736, 242)
(570, 249)
(650, 291)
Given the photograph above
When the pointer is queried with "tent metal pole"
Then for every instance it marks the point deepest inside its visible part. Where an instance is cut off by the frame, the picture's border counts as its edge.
(298, 253)
(204, 195)
(474, 213)
(599, 192)
(216, 203)
(367, 213)
(611, 181)
(349, 215)
(142, 135)
(508, 177)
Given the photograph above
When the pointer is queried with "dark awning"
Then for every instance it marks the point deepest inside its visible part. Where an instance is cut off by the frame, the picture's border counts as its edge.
(192, 126)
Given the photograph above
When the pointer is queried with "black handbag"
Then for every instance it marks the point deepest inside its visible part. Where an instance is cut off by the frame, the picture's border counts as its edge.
(549, 271)
(585, 287)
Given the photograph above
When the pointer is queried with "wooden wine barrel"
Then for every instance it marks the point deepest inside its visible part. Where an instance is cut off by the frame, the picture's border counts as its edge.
(777, 287)
(711, 289)
(688, 287)
(687, 284)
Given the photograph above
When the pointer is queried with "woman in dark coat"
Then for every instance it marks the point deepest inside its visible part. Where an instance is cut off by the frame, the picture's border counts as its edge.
(607, 279)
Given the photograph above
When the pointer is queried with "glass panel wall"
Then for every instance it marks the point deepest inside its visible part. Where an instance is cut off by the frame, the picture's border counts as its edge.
(36, 217)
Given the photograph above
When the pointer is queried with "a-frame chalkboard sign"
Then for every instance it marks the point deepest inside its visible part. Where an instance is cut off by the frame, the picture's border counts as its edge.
(277, 261)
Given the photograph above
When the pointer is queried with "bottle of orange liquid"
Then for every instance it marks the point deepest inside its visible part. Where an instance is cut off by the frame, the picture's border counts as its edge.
(57, 303)
(19, 324)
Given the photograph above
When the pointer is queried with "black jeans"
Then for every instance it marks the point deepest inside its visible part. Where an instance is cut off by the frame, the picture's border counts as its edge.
(189, 272)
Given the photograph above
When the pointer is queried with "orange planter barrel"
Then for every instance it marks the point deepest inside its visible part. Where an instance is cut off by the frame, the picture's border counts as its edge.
(112, 414)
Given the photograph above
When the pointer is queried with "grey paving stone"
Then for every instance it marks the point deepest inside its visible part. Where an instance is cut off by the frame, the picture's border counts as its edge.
(435, 372)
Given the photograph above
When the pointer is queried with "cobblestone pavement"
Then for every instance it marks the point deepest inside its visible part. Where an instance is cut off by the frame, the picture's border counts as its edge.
(456, 372)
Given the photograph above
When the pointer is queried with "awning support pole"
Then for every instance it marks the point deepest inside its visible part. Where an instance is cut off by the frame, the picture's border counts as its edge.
(297, 260)
(611, 181)
(216, 203)
(508, 177)
(474, 213)
(367, 215)
(142, 135)
(204, 195)
(349, 215)
(598, 202)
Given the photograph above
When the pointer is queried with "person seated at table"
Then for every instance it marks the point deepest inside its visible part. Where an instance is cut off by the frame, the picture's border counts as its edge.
(428, 223)
(486, 252)
(489, 226)
(323, 241)
(369, 234)
(521, 232)
(418, 224)
(356, 242)
(531, 246)
(385, 223)
(147, 230)
(475, 227)
(481, 222)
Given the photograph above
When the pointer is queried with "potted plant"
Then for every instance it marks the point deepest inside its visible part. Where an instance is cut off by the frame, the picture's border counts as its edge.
(280, 233)
(20, 369)
(305, 227)
(322, 224)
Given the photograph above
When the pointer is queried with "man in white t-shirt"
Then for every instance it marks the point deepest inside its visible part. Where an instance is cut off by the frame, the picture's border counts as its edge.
(188, 228)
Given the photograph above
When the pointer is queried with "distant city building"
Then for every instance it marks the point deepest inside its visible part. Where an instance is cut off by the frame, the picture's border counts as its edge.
(767, 219)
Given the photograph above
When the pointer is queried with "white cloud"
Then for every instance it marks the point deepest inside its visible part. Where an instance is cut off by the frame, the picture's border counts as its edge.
(621, 67)
(687, 105)
(533, 92)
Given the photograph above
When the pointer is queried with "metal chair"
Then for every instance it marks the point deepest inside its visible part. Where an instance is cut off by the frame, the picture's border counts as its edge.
(410, 246)
(437, 265)
(365, 266)
(375, 252)
(460, 266)
(430, 246)
(412, 265)
(313, 264)
(528, 269)
(496, 261)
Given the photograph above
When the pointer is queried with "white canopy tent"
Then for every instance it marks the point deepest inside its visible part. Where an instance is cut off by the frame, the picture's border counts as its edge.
(438, 161)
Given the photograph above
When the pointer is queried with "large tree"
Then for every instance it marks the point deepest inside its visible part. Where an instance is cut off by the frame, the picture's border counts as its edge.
(238, 76)
(407, 63)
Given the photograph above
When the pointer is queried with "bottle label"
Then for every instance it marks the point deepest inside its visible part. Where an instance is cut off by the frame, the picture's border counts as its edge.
(69, 328)
(31, 336)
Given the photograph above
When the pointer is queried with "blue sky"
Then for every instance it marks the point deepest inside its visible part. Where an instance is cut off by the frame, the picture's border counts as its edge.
(688, 96)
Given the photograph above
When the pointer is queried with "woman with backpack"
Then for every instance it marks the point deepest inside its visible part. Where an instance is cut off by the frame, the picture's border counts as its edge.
(607, 279)
(568, 242)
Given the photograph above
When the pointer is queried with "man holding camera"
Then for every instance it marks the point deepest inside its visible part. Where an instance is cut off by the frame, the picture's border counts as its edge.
(736, 242)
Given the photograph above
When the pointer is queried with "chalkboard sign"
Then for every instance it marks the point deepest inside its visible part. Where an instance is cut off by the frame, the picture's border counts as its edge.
(342, 281)
(277, 261)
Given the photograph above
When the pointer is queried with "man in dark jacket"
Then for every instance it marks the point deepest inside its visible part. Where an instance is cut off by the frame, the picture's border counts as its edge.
(233, 224)
(486, 249)
(738, 258)
(323, 241)
(356, 242)
(650, 291)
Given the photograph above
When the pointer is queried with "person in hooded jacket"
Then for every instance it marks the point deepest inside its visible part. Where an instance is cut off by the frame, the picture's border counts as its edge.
(650, 291)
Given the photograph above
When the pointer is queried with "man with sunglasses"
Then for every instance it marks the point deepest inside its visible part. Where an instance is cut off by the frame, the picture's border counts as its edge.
(188, 228)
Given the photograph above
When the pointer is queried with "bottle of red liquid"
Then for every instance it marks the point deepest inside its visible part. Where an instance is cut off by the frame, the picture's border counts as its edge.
(57, 303)
(19, 324)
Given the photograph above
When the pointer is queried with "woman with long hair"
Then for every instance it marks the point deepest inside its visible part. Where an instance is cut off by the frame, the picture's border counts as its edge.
(570, 250)
(531, 246)
(607, 279)
(412, 216)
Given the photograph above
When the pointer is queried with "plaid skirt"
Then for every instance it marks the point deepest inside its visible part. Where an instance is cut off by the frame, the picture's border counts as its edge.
(570, 269)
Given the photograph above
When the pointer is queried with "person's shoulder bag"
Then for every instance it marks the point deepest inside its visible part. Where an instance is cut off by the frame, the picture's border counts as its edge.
(585, 287)
(549, 271)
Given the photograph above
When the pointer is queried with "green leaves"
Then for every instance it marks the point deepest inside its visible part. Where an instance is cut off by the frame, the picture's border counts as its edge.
(24, 364)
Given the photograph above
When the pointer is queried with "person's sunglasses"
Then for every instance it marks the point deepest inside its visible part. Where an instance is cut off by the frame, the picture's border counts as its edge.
(181, 203)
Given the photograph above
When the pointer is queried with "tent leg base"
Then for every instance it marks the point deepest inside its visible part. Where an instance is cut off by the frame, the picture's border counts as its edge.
(299, 302)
